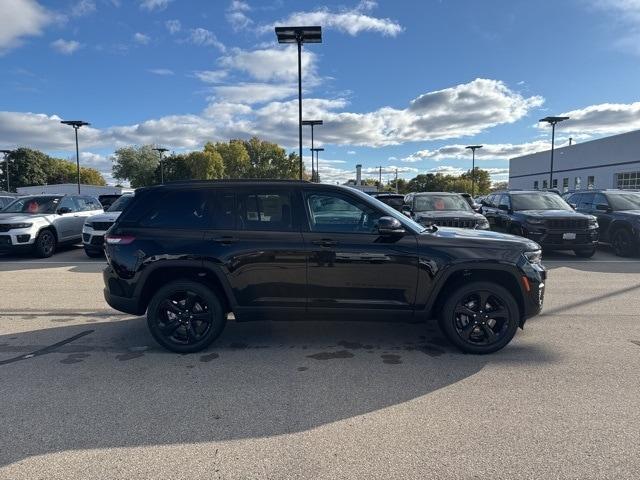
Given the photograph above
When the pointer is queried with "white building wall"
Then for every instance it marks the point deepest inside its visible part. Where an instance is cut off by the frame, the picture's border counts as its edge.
(603, 159)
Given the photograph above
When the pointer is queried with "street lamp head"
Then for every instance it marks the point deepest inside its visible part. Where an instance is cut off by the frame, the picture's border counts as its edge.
(312, 122)
(161, 149)
(317, 149)
(473, 147)
(299, 34)
(75, 123)
(553, 120)
(6, 152)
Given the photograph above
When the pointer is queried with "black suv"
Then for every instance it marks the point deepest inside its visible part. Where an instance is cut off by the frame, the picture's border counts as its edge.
(618, 214)
(394, 200)
(188, 254)
(443, 209)
(544, 217)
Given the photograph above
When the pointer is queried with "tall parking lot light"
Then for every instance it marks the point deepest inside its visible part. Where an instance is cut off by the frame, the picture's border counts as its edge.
(316, 150)
(552, 121)
(161, 151)
(299, 35)
(76, 124)
(312, 123)
(473, 149)
(6, 164)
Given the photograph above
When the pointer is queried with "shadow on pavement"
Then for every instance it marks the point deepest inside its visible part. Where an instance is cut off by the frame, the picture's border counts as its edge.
(110, 386)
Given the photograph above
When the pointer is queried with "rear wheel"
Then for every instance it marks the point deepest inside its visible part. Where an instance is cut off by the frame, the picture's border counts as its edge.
(622, 243)
(45, 244)
(479, 318)
(585, 253)
(185, 316)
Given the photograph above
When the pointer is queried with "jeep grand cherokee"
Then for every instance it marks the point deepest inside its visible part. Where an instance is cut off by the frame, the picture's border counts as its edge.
(189, 253)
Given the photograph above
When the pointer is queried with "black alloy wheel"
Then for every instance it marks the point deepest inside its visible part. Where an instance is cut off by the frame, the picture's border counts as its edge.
(622, 243)
(45, 244)
(185, 316)
(481, 317)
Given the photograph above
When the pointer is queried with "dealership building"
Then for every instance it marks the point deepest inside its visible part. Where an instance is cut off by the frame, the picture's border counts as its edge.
(610, 162)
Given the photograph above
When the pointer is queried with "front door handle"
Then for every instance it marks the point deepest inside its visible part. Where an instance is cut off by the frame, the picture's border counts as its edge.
(325, 242)
(225, 240)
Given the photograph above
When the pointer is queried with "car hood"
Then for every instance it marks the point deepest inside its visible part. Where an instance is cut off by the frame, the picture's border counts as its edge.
(552, 213)
(478, 238)
(104, 217)
(448, 214)
(23, 218)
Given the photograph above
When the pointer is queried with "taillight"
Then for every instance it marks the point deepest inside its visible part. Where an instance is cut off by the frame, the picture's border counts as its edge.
(119, 239)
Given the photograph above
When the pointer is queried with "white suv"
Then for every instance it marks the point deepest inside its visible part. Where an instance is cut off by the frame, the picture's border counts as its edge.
(40, 223)
(95, 227)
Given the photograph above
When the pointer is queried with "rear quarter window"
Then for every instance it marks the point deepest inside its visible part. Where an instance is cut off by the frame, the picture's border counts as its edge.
(173, 209)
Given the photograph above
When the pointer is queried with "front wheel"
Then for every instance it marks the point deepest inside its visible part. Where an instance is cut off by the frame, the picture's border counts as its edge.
(480, 318)
(585, 253)
(185, 316)
(45, 244)
(622, 243)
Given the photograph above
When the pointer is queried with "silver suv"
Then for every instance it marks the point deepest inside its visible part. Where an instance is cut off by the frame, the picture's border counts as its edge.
(40, 223)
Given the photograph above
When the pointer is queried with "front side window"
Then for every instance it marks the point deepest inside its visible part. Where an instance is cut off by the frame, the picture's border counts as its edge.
(34, 205)
(504, 201)
(624, 201)
(177, 209)
(335, 213)
(539, 201)
(425, 203)
(265, 211)
(586, 201)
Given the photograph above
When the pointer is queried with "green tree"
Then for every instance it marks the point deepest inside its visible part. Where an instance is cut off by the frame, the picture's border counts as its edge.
(235, 157)
(483, 180)
(499, 186)
(136, 164)
(269, 160)
(205, 165)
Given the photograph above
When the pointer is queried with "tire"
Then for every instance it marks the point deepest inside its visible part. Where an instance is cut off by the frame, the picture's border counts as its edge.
(45, 244)
(587, 253)
(185, 316)
(622, 243)
(471, 334)
(93, 253)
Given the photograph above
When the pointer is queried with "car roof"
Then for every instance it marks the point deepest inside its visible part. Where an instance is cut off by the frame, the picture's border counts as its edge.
(245, 183)
(388, 195)
(437, 193)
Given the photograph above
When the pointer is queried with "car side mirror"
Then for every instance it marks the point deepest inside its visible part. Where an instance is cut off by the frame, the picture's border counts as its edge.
(64, 210)
(504, 208)
(390, 226)
(603, 207)
(573, 205)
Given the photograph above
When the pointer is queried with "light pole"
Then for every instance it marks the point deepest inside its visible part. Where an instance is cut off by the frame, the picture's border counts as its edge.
(473, 149)
(316, 150)
(161, 151)
(76, 124)
(6, 164)
(552, 121)
(312, 123)
(299, 35)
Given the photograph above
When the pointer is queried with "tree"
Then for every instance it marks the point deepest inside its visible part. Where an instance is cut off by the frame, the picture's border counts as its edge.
(499, 186)
(483, 180)
(205, 165)
(138, 165)
(269, 160)
(234, 155)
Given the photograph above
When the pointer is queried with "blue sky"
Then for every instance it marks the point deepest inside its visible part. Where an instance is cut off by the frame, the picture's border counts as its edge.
(402, 84)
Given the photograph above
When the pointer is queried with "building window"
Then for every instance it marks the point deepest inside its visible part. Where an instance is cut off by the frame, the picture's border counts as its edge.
(628, 180)
(545, 183)
(577, 183)
(591, 182)
(565, 184)
(555, 183)
(535, 185)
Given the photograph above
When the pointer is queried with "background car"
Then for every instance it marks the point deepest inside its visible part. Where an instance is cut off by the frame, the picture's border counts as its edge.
(42, 222)
(96, 226)
(618, 214)
(107, 200)
(472, 203)
(5, 200)
(394, 200)
(544, 217)
(443, 209)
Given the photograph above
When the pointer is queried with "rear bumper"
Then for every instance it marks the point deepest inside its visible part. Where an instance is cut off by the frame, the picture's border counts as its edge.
(115, 298)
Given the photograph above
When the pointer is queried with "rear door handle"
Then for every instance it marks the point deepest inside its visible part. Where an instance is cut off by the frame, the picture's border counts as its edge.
(325, 242)
(225, 240)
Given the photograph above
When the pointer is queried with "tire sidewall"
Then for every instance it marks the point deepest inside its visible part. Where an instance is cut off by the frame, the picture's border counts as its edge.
(209, 296)
(447, 319)
(40, 252)
(623, 253)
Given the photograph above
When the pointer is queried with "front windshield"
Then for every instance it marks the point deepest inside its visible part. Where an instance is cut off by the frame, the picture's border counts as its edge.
(120, 203)
(426, 203)
(391, 212)
(624, 201)
(33, 205)
(538, 201)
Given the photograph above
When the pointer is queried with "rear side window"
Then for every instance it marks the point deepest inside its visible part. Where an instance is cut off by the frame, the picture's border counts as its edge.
(177, 209)
(586, 201)
(264, 211)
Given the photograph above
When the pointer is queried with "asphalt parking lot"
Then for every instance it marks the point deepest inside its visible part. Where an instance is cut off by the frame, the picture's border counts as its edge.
(86, 393)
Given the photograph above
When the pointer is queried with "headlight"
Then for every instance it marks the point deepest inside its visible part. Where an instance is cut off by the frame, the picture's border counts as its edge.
(534, 256)
(88, 224)
(535, 221)
(21, 225)
(483, 224)
(593, 222)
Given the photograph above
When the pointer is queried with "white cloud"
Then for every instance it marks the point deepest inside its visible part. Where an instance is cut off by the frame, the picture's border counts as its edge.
(271, 63)
(65, 47)
(141, 38)
(352, 21)
(83, 7)
(250, 93)
(602, 119)
(351, 152)
(21, 18)
(210, 76)
(174, 26)
(205, 38)
(151, 5)
(161, 71)
(236, 15)
(496, 151)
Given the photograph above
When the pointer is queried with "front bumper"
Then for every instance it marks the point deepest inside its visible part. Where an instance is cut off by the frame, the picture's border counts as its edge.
(17, 239)
(533, 288)
(563, 239)
(93, 239)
